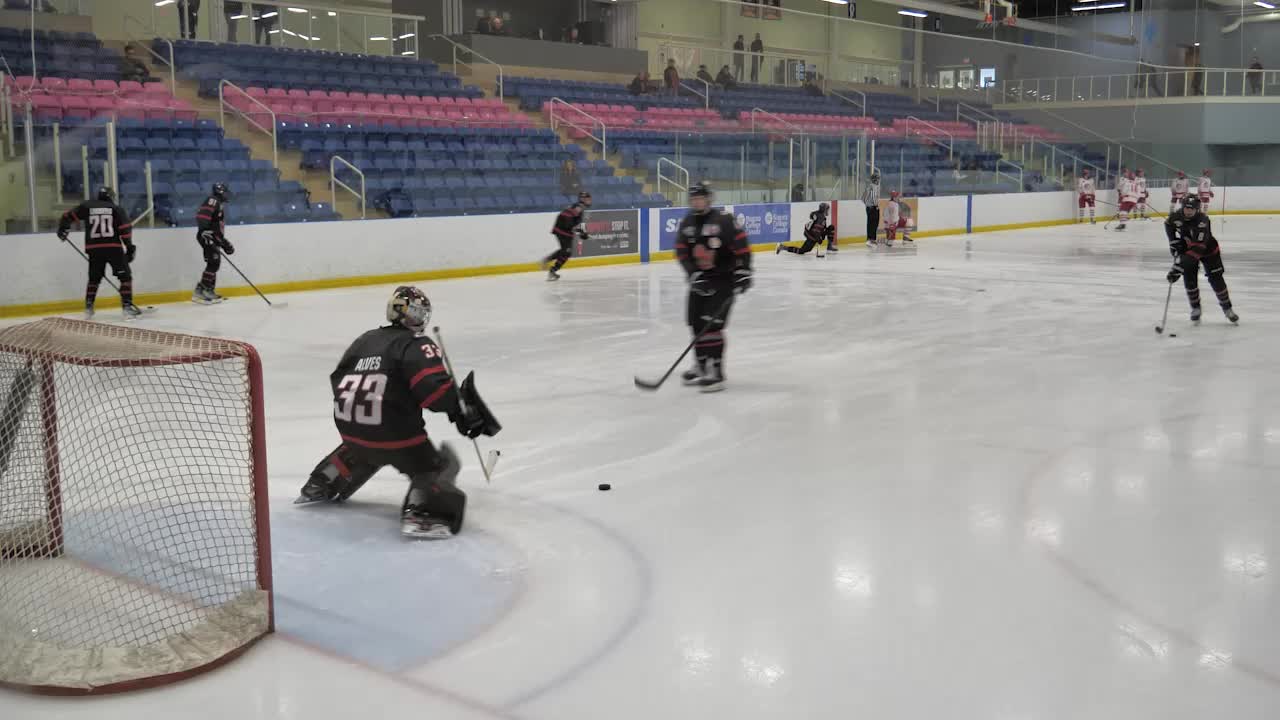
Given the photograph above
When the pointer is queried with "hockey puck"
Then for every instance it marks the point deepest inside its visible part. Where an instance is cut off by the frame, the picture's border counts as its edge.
(604, 486)
(1173, 334)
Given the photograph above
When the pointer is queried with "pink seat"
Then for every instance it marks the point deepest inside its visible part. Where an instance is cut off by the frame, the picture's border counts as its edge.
(338, 95)
(53, 83)
(130, 87)
(357, 97)
(277, 93)
(322, 106)
(317, 94)
(448, 101)
(380, 108)
(105, 86)
(79, 85)
(412, 100)
(401, 110)
(253, 92)
(25, 82)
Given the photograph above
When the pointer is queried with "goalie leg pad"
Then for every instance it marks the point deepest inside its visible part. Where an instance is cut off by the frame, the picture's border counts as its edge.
(337, 477)
(434, 493)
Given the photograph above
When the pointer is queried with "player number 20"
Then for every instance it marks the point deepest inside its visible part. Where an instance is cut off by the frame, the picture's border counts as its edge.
(360, 399)
(101, 227)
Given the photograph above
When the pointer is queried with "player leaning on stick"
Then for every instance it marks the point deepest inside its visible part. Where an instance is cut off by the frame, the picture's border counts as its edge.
(211, 235)
(381, 386)
(568, 225)
(716, 256)
(815, 231)
(108, 240)
(1192, 244)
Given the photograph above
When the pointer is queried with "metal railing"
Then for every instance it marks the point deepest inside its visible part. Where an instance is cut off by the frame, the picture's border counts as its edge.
(556, 122)
(1132, 87)
(705, 93)
(860, 104)
(222, 116)
(962, 107)
(141, 41)
(335, 183)
(1052, 156)
(772, 67)
(681, 173)
(1121, 149)
(149, 213)
(459, 46)
(1019, 178)
(950, 144)
(760, 111)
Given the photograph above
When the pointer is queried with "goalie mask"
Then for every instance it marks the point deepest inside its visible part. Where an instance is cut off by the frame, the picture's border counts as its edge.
(409, 308)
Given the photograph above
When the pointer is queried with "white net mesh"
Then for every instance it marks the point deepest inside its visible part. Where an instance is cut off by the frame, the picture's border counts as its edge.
(131, 546)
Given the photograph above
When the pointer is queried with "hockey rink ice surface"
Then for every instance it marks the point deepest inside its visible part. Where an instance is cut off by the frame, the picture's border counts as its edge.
(964, 480)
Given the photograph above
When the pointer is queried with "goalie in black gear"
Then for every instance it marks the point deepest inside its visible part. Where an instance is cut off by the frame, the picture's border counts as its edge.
(211, 235)
(714, 252)
(568, 226)
(108, 240)
(815, 232)
(381, 386)
(1192, 244)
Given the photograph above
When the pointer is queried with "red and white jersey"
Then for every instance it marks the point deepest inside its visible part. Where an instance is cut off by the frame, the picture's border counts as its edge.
(891, 213)
(1140, 186)
(1085, 186)
(1125, 188)
(1179, 187)
(1205, 185)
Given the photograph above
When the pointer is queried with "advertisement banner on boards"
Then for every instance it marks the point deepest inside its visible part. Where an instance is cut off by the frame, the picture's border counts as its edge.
(611, 232)
(765, 224)
(668, 220)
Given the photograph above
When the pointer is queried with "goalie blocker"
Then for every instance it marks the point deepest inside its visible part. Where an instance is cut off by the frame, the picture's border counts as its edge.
(381, 385)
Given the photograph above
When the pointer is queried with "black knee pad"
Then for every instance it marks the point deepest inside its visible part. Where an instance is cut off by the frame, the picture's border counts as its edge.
(124, 276)
(435, 492)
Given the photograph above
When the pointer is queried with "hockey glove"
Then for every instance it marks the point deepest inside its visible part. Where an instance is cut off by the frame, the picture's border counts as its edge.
(130, 252)
(1175, 272)
(470, 423)
(700, 284)
(581, 233)
(63, 235)
(741, 280)
(227, 247)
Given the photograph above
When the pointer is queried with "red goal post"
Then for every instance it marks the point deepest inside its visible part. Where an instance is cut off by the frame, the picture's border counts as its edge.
(134, 529)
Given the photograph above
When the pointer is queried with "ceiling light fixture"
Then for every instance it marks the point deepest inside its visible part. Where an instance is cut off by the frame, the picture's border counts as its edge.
(1103, 6)
(913, 13)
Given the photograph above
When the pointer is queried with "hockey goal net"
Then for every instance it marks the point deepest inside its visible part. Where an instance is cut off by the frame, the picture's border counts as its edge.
(134, 541)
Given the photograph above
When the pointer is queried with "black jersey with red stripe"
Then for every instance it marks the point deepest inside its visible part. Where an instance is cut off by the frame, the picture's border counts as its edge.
(383, 383)
(106, 225)
(568, 220)
(210, 216)
(712, 243)
(818, 230)
(1191, 236)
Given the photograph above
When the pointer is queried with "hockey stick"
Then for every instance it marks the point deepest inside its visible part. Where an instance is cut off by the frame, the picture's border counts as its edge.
(712, 326)
(246, 279)
(485, 465)
(1165, 318)
(148, 309)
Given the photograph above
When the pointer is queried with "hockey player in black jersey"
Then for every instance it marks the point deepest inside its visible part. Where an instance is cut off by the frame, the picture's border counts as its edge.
(715, 254)
(211, 235)
(815, 232)
(108, 240)
(568, 226)
(1192, 244)
(381, 386)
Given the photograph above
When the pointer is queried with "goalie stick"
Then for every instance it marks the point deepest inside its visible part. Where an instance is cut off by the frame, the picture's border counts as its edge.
(486, 465)
(652, 385)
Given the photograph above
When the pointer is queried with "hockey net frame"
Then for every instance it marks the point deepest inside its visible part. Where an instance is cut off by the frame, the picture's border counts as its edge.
(124, 575)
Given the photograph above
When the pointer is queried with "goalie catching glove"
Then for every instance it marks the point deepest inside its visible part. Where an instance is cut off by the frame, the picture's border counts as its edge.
(475, 418)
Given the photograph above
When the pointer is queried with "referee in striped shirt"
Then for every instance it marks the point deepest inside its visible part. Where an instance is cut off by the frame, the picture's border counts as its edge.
(871, 198)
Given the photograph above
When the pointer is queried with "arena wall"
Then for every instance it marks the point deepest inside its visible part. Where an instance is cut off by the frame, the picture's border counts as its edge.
(47, 277)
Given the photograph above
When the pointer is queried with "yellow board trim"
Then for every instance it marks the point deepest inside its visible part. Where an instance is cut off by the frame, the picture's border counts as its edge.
(160, 298)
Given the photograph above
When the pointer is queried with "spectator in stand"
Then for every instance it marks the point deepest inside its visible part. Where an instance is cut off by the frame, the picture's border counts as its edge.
(811, 88)
(671, 78)
(640, 84)
(264, 25)
(188, 14)
(484, 25)
(705, 76)
(232, 9)
(496, 27)
(739, 58)
(757, 47)
(797, 193)
(570, 181)
(1255, 77)
(132, 67)
(725, 79)
(571, 35)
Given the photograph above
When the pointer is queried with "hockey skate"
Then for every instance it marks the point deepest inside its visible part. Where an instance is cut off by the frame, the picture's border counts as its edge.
(832, 248)
(130, 311)
(1120, 227)
(712, 379)
(315, 491)
(1231, 314)
(692, 376)
(871, 243)
(888, 242)
(778, 250)
(552, 276)
(1195, 315)
(418, 525)
(204, 296)
(88, 311)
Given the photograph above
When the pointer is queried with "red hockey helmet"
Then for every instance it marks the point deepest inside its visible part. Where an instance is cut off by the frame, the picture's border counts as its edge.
(1084, 173)
(1207, 172)
(1141, 171)
(1181, 174)
(893, 194)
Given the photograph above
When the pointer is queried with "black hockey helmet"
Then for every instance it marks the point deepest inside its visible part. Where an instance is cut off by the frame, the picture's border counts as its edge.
(584, 198)
(106, 193)
(875, 174)
(221, 191)
(409, 308)
(1192, 203)
(701, 189)
(823, 208)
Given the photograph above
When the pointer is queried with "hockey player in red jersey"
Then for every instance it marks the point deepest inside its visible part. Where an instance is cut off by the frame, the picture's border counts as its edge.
(568, 225)
(383, 382)
(108, 240)
(894, 220)
(716, 255)
(815, 231)
(1178, 191)
(1087, 196)
(1192, 244)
